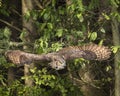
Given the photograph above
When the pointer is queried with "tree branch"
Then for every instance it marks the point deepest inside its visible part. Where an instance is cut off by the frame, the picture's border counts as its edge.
(38, 4)
(5, 22)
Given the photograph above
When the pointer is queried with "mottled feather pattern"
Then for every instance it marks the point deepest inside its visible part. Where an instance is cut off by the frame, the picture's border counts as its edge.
(58, 59)
(101, 52)
(13, 56)
(17, 57)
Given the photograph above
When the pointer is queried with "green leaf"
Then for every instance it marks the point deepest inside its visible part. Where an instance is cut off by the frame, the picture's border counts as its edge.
(106, 16)
(59, 32)
(57, 46)
(101, 42)
(22, 35)
(92, 36)
(33, 70)
(102, 30)
(42, 26)
(114, 3)
(80, 17)
(108, 68)
(47, 15)
(27, 15)
(115, 48)
(50, 25)
(7, 32)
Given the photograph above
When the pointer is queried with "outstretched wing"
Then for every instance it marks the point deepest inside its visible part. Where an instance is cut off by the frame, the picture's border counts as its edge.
(58, 59)
(89, 52)
(18, 57)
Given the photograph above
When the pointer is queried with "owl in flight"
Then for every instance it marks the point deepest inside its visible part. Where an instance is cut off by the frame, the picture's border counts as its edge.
(58, 59)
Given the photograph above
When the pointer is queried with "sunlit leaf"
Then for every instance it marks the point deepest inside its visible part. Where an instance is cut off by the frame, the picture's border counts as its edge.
(106, 16)
(102, 30)
(114, 3)
(59, 32)
(108, 68)
(57, 46)
(115, 48)
(101, 42)
(50, 26)
(92, 36)
(22, 35)
(7, 32)
(80, 17)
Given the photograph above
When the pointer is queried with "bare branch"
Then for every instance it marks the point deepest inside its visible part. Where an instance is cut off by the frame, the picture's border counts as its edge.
(5, 22)
(38, 4)
(19, 44)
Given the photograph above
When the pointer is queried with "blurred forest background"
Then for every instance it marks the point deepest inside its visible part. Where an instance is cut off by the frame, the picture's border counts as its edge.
(43, 26)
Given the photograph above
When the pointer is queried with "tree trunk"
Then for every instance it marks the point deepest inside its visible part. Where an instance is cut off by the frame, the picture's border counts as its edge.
(11, 75)
(116, 41)
(27, 6)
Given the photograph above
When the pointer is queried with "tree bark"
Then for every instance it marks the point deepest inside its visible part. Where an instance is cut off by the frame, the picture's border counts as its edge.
(28, 26)
(116, 41)
(11, 75)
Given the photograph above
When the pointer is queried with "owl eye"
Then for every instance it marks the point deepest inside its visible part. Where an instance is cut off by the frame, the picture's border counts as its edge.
(58, 65)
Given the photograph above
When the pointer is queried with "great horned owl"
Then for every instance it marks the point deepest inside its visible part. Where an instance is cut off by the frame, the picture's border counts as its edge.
(58, 59)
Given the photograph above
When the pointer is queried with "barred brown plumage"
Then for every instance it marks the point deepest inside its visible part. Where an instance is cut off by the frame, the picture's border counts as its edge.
(58, 59)
(89, 52)
(17, 57)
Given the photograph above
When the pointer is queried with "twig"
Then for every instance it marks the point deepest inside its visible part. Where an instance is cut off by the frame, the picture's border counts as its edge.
(38, 4)
(10, 25)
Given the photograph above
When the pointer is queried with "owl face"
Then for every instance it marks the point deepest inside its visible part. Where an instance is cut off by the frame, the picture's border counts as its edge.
(58, 64)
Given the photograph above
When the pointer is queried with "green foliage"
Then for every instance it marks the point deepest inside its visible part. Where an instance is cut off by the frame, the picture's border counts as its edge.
(58, 26)
(4, 44)
(115, 49)
(94, 4)
(115, 5)
(5, 34)
(41, 77)
(45, 84)
(4, 38)
(42, 46)
(4, 8)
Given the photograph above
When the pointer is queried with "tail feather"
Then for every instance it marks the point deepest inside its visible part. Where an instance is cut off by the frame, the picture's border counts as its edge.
(102, 52)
